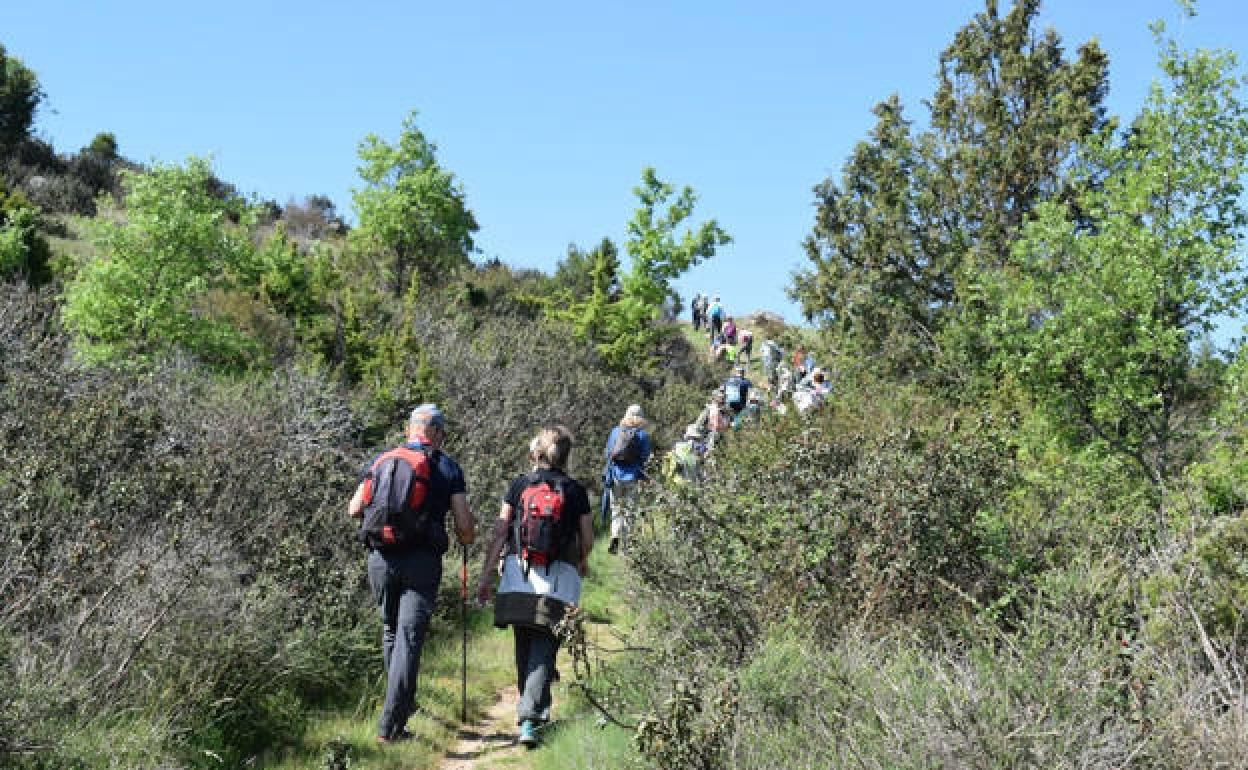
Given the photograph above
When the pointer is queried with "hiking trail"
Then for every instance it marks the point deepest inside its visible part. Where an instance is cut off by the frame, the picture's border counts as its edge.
(487, 738)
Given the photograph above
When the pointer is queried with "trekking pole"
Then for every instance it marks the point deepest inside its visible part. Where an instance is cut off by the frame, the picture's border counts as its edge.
(463, 622)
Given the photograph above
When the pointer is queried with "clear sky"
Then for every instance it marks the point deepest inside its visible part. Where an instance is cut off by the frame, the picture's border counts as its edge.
(545, 111)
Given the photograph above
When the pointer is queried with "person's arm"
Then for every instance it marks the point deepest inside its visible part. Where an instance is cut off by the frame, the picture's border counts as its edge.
(489, 570)
(465, 529)
(355, 508)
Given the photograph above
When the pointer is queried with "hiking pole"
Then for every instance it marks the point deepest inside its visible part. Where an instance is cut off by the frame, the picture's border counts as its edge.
(463, 622)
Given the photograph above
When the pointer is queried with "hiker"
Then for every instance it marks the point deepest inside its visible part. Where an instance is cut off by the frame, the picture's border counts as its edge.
(730, 330)
(406, 548)
(819, 382)
(628, 448)
(713, 419)
(695, 312)
(772, 357)
(716, 312)
(799, 357)
(752, 414)
(703, 307)
(746, 348)
(548, 530)
(683, 462)
(784, 383)
(736, 390)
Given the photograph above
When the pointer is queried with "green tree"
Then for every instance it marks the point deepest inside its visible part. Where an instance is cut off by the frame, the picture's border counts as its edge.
(149, 289)
(577, 271)
(624, 325)
(901, 245)
(878, 280)
(411, 211)
(1104, 313)
(20, 96)
(24, 252)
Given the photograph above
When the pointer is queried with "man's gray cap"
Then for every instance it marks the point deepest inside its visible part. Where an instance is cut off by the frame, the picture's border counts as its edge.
(429, 414)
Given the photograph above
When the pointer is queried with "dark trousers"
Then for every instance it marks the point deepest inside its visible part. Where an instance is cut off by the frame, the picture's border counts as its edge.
(405, 588)
(535, 670)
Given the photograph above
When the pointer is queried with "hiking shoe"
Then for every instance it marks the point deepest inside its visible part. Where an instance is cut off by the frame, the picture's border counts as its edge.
(528, 733)
(614, 545)
(399, 737)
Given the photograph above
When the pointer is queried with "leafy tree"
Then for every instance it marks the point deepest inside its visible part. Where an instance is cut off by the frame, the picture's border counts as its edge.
(623, 325)
(1103, 316)
(411, 210)
(901, 244)
(149, 288)
(878, 281)
(20, 96)
(24, 252)
(577, 271)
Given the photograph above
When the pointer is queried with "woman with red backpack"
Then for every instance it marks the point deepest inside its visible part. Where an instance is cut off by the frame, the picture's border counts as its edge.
(548, 528)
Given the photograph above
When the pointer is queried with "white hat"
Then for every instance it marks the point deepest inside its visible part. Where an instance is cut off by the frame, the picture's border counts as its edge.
(634, 410)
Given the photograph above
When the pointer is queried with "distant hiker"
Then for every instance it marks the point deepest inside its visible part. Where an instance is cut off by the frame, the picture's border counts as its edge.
(772, 356)
(695, 312)
(819, 382)
(751, 414)
(704, 303)
(737, 390)
(548, 530)
(784, 383)
(799, 357)
(402, 501)
(628, 448)
(808, 363)
(716, 312)
(683, 462)
(745, 348)
(714, 419)
(730, 331)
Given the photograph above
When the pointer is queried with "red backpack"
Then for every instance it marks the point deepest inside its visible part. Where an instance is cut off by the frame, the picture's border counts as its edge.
(395, 488)
(538, 526)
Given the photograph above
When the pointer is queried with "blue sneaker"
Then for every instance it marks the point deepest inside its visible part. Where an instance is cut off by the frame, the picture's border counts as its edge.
(528, 733)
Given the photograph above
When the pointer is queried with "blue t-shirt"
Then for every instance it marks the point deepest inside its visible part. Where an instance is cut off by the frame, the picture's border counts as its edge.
(628, 472)
(446, 479)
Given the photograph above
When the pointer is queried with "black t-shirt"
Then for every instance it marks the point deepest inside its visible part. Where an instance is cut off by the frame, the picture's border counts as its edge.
(575, 505)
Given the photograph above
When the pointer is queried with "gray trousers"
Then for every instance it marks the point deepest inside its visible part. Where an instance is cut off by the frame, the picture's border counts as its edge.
(535, 670)
(405, 588)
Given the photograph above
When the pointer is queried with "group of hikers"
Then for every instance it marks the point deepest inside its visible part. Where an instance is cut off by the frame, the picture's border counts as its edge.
(727, 341)
(536, 557)
(539, 546)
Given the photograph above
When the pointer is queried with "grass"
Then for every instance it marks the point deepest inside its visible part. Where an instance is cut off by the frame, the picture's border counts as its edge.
(339, 735)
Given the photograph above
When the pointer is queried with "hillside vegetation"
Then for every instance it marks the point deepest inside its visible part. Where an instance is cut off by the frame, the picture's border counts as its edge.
(1012, 536)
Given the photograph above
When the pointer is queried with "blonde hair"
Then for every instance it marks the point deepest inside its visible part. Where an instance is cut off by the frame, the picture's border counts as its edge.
(551, 446)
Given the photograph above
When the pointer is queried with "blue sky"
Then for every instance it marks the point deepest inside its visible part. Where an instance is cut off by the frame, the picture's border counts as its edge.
(546, 112)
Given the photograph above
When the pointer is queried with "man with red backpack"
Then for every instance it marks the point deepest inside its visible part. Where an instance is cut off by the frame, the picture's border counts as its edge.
(402, 501)
(628, 448)
(548, 528)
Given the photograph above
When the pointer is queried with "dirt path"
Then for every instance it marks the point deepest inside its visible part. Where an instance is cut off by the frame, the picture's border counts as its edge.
(491, 736)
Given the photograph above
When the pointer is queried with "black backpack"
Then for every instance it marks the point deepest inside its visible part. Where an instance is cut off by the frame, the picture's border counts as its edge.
(626, 449)
(395, 517)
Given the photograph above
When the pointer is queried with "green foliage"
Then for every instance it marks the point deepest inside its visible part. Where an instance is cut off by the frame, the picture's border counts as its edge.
(589, 274)
(148, 290)
(411, 212)
(623, 324)
(1100, 320)
(24, 251)
(20, 96)
(902, 244)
